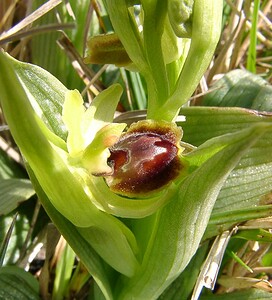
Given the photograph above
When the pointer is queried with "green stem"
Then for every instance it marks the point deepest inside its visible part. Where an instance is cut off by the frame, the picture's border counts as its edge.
(205, 35)
(155, 13)
(251, 57)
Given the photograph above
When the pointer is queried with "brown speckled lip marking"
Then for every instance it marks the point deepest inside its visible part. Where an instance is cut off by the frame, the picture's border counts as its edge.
(143, 161)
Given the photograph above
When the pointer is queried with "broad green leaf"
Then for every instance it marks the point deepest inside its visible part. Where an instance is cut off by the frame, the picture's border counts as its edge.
(240, 88)
(183, 286)
(180, 225)
(13, 192)
(45, 91)
(17, 284)
(204, 123)
(249, 184)
(228, 218)
(247, 294)
(82, 248)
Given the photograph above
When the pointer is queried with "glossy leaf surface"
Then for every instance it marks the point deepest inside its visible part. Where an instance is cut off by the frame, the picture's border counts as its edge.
(240, 88)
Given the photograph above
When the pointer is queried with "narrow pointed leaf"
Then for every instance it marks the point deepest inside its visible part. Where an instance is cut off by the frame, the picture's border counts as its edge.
(247, 294)
(183, 221)
(248, 188)
(82, 248)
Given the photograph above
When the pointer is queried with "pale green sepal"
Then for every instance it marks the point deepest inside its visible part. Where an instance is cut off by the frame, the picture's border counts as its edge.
(172, 46)
(95, 156)
(82, 124)
(72, 115)
(105, 103)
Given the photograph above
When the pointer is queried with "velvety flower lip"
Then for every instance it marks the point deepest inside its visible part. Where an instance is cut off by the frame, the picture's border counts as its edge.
(145, 158)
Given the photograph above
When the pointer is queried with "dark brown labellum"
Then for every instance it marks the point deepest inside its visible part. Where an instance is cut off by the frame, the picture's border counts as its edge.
(145, 158)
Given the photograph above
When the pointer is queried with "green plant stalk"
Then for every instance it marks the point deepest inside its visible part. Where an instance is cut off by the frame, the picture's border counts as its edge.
(155, 13)
(147, 52)
(128, 33)
(205, 35)
(251, 56)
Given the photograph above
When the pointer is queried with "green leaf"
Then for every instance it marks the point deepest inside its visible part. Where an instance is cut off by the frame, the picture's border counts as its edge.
(180, 225)
(13, 192)
(8, 168)
(249, 184)
(248, 294)
(252, 51)
(82, 248)
(5, 242)
(183, 286)
(248, 188)
(204, 123)
(259, 235)
(13, 244)
(240, 88)
(17, 284)
(45, 91)
(64, 270)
